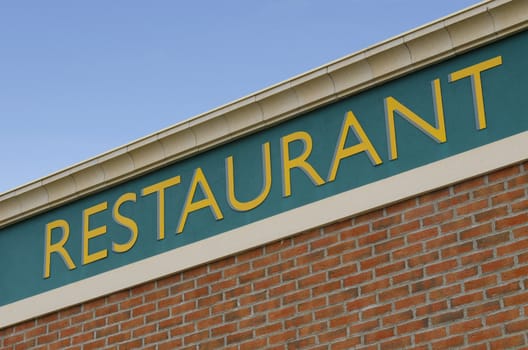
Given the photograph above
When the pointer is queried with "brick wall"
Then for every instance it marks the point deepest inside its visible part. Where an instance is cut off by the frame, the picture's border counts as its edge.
(448, 269)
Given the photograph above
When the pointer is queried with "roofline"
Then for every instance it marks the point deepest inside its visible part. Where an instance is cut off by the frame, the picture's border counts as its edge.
(452, 35)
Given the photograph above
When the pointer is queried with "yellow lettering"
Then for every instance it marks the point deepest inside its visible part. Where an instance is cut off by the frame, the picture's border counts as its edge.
(364, 146)
(476, 84)
(245, 206)
(88, 234)
(57, 247)
(160, 189)
(208, 201)
(125, 222)
(299, 162)
(436, 133)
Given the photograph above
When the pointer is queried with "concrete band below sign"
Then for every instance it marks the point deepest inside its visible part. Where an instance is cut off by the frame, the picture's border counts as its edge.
(429, 177)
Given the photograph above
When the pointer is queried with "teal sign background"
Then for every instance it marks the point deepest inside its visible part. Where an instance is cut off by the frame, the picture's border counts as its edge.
(505, 90)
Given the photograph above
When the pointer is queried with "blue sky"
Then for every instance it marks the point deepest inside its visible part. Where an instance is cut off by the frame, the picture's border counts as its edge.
(78, 78)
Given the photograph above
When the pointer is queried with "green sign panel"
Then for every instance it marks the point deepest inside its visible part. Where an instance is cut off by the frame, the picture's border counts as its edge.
(452, 107)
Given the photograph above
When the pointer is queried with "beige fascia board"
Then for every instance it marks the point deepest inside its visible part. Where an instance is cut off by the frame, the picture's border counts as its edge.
(467, 29)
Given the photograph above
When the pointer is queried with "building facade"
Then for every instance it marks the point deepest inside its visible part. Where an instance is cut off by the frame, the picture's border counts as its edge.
(377, 202)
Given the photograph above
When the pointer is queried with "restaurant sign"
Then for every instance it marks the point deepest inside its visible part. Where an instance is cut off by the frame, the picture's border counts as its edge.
(432, 114)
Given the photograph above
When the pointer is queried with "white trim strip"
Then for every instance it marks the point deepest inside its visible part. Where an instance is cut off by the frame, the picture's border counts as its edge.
(413, 182)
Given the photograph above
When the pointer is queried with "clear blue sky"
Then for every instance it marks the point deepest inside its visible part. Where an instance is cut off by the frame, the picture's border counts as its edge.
(78, 78)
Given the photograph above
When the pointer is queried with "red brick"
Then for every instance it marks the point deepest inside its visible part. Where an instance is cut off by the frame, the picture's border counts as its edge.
(341, 247)
(493, 240)
(455, 225)
(368, 217)
(517, 326)
(331, 336)
(431, 308)
(428, 336)
(516, 220)
(387, 269)
(397, 318)
(434, 196)
(353, 232)
(415, 299)
(373, 237)
(478, 257)
(282, 337)
(488, 190)
(357, 254)
(481, 283)
(363, 327)
(521, 245)
(449, 343)
(484, 334)
(443, 240)
(326, 288)
(394, 293)
(375, 261)
(331, 311)
(422, 235)
(438, 218)
(401, 206)
(389, 245)
(343, 295)
(465, 326)
(98, 344)
(497, 265)
(348, 343)
(440, 267)
(516, 299)
(519, 206)
(518, 181)
(461, 275)
(278, 268)
(344, 320)
(423, 259)
(508, 343)
(507, 197)
(386, 222)
(502, 174)
(469, 185)
(453, 201)
(196, 337)
(342, 271)
(467, 298)
(413, 326)
(502, 317)
(483, 308)
(447, 317)
(361, 303)
(519, 272)
(408, 276)
(8, 341)
(503, 289)
(418, 212)
(375, 285)
(337, 226)
(472, 207)
(378, 335)
(405, 227)
(476, 231)
(446, 292)
(376, 311)
(326, 264)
